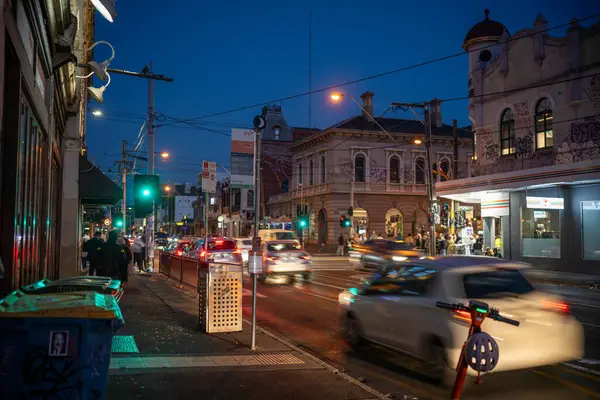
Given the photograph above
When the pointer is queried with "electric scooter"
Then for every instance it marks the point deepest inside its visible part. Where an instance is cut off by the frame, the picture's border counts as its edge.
(480, 350)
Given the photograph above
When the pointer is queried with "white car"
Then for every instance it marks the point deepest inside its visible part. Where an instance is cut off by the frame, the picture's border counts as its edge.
(244, 244)
(285, 258)
(397, 309)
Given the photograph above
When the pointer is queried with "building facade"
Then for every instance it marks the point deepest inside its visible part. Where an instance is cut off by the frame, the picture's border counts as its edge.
(40, 112)
(535, 113)
(355, 164)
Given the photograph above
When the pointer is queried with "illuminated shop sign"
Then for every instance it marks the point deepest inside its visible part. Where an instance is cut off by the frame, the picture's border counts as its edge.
(547, 203)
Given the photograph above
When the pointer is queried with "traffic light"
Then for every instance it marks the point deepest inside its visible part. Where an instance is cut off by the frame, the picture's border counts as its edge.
(119, 222)
(345, 222)
(302, 222)
(146, 191)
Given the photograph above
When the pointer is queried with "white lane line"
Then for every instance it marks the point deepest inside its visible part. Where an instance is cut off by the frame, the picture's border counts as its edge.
(317, 295)
(336, 278)
(248, 292)
(592, 325)
(326, 285)
(583, 304)
(580, 368)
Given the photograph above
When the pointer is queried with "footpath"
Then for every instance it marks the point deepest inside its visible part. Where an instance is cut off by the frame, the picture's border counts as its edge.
(161, 353)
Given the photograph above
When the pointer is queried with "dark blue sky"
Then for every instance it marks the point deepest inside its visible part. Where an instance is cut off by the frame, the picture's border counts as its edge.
(225, 55)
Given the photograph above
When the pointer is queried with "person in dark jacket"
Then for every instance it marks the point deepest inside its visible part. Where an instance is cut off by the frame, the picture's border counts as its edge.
(112, 256)
(93, 248)
(124, 264)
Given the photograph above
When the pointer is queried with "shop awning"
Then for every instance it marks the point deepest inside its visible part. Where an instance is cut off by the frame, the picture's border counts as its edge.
(472, 190)
(95, 188)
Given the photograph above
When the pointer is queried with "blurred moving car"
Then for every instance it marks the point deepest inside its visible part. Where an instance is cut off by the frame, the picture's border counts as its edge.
(219, 250)
(285, 258)
(276, 234)
(397, 309)
(380, 253)
(245, 245)
(161, 240)
(178, 248)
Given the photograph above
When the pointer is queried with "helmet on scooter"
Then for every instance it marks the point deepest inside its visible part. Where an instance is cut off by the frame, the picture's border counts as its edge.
(482, 352)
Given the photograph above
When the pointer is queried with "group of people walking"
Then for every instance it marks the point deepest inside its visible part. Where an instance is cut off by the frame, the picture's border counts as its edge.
(113, 256)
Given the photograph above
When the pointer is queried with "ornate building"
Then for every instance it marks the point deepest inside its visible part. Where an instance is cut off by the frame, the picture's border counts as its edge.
(535, 112)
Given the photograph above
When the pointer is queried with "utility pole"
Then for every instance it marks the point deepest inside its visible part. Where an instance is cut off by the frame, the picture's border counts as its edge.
(256, 222)
(124, 177)
(426, 121)
(430, 185)
(150, 122)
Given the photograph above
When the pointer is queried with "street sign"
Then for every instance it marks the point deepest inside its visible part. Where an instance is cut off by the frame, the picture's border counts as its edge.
(209, 176)
(255, 263)
(107, 222)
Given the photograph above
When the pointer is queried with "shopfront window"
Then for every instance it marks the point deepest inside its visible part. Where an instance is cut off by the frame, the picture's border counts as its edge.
(541, 232)
(590, 232)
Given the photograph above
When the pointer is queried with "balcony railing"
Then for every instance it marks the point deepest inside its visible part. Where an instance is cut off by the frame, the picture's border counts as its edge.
(360, 187)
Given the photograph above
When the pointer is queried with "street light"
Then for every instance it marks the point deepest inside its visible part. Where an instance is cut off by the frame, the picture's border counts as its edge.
(417, 141)
(336, 97)
(167, 188)
(98, 93)
(106, 8)
(165, 154)
(97, 113)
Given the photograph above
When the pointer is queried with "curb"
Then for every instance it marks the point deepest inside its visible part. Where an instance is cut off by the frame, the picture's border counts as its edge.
(329, 367)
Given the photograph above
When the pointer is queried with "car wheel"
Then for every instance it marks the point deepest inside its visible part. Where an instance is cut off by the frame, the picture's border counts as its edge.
(354, 333)
(307, 276)
(439, 369)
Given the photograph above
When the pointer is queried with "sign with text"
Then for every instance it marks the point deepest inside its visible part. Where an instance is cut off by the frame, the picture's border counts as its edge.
(242, 158)
(546, 203)
(209, 176)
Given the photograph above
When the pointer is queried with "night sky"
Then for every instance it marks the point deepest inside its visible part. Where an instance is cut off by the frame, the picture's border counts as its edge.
(230, 54)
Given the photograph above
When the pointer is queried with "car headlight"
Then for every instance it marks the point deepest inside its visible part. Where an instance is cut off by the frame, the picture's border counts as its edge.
(399, 258)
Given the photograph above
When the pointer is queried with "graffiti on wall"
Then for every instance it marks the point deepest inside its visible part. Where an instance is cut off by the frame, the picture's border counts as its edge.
(490, 150)
(593, 90)
(522, 116)
(524, 146)
(408, 175)
(581, 144)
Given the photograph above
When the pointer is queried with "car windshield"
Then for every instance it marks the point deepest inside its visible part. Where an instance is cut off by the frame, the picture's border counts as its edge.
(285, 235)
(495, 284)
(247, 242)
(276, 247)
(219, 245)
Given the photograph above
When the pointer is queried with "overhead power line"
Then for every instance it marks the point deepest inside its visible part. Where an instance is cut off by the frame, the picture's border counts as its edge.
(382, 74)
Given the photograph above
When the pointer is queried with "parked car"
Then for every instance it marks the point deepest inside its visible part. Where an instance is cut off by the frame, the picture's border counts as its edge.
(397, 309)
(178, 248)
(380, 253)
(245, 245)
(285, 258)
(219, 250)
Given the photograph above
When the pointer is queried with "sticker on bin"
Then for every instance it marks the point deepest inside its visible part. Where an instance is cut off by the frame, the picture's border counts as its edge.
(57, 346)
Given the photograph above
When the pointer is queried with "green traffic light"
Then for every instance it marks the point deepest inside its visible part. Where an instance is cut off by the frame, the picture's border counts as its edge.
(119, 223)
(146, 192)
(347, 222)
(302, 223)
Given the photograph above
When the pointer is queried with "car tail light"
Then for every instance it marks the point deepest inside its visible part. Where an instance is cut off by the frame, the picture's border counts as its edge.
(305, 257)
(202, 254)
(558, 306)
(463, 315)
(179, 252)
(272, 258)
(237, 251)
(218, 242)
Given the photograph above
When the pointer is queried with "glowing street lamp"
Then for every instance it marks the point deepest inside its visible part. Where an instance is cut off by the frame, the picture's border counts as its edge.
(97, 113)
(336, 97)
(417, 141)
(167, 188)
(165, 155)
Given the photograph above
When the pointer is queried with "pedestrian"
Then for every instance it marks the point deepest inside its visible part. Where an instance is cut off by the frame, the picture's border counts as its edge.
(84, 240)
(410, 240)
(340, 248)
(112, 256)
(93, 247)
(138, 253)
(478, 246)
(124, 264)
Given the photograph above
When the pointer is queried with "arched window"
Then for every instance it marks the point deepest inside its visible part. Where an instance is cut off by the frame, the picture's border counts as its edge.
(507, 132)
(276, 130)
(445, 167)
(359, 168)
(310, 172)
(420, 171)
(543, 124)
(323, 176)
(394, 169)
(299, 173)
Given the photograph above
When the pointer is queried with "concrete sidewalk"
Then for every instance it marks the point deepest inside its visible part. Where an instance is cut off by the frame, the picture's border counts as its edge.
(162, 354)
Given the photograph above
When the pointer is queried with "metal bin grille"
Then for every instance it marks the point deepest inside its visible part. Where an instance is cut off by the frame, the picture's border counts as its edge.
(220, 293)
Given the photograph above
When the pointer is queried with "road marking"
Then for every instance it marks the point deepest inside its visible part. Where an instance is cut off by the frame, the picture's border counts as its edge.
(360, 276)
(582, 371)
(317, 295)
(248, 292)
(583, 305)
(204, 361)
(592, 325)
(326, 285)
(336, 278)
(568, 383)
(589, 361)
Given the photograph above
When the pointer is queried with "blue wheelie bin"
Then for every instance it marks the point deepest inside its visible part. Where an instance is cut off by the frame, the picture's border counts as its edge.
(56, 346)
(99, 284)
